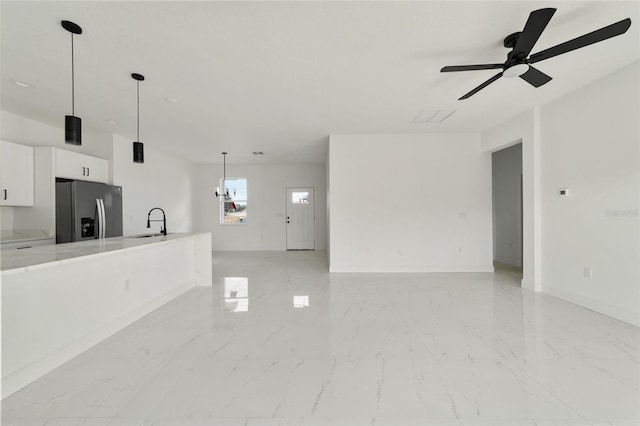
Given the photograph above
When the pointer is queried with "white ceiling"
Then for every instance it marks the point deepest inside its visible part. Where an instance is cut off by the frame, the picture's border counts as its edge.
(279, 77)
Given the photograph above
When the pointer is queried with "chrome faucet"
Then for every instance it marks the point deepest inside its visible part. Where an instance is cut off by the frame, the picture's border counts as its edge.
(163, 231)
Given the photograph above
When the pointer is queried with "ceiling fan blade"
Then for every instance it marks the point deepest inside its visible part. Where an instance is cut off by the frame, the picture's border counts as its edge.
(535, 77)
(482, 86)
(451, 68)
(537, 22)
(596, 36)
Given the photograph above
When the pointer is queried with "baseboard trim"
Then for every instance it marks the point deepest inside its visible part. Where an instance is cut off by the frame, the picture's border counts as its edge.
(30, 373)
(616, 312)
(531, 285)
(409, 269)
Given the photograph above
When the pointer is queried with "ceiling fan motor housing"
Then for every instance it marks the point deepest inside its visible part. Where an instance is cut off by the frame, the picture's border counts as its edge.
(511, 40)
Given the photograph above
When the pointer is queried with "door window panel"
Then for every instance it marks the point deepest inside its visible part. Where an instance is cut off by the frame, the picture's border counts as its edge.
(300, 197)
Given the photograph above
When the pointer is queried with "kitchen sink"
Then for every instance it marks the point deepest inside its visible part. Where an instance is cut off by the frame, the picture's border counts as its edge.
(147, 235)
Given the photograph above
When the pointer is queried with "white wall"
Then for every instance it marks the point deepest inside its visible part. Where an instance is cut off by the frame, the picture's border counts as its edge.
(6, 218)
(506, 170)
(266, 206)
(409, 203)
(591, 144)
(328, 201)
(161, 181)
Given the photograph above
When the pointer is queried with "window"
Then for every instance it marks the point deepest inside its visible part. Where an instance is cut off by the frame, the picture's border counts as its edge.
(300, 197)
(234, 206)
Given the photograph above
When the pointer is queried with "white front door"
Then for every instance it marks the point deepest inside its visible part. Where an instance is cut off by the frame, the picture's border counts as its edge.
(301, 219)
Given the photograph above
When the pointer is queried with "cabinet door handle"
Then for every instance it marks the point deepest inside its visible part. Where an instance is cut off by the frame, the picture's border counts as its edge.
(83, 171)
(5, 194)
(87, 171)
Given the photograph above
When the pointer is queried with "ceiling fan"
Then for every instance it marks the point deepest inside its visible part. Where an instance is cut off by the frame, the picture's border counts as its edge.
(518, 59)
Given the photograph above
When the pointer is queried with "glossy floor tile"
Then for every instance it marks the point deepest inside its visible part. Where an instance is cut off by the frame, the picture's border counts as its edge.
(279, 341)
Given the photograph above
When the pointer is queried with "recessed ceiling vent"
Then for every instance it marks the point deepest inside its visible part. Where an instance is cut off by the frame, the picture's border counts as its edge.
(432, 116)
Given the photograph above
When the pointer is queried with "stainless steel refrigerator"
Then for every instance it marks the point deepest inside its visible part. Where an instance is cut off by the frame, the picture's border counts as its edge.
(87, 210)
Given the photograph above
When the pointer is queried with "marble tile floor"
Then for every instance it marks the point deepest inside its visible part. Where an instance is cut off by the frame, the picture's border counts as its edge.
(279, 341)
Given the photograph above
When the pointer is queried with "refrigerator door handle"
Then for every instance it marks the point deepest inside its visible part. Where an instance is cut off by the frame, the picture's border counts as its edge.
(98, 218)
(103, 228)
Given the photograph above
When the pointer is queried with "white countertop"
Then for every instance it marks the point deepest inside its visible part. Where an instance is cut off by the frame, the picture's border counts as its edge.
(15, 261)
(20, 235)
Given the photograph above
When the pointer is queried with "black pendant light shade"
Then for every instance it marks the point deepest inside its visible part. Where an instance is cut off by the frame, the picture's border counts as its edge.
(138, 152)
(72, 124)
(72, 130)
(138, 147)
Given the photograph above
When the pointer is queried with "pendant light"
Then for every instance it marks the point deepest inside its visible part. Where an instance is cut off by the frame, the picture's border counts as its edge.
(72, 124)
(224, 177)
(138, 147)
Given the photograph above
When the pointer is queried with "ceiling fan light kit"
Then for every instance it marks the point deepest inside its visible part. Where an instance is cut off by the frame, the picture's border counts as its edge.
(515, 70)
(72, 124)
(518, 63)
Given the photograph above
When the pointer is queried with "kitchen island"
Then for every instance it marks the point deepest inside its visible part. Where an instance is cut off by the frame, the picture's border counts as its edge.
(59, 300)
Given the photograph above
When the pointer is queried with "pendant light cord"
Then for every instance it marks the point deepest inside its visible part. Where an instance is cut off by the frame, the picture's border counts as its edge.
(138, 84)
(73, 82)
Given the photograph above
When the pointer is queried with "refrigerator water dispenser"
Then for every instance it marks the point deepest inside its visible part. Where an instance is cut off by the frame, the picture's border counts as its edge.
(88, 227)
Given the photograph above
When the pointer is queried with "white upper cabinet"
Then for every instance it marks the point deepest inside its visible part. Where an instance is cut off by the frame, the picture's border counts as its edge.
(72, 165)
(16, 174)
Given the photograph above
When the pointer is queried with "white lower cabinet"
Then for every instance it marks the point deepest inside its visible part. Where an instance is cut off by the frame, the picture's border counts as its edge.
(16, 174)
(72, 165)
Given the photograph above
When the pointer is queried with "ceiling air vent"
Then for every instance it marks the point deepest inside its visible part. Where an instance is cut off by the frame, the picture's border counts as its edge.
(432, 116)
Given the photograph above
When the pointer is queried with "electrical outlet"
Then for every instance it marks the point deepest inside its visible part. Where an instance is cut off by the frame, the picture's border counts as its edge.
(588, 273)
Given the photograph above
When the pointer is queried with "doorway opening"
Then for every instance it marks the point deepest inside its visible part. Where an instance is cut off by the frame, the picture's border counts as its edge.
(506, 170)
(301, 218)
